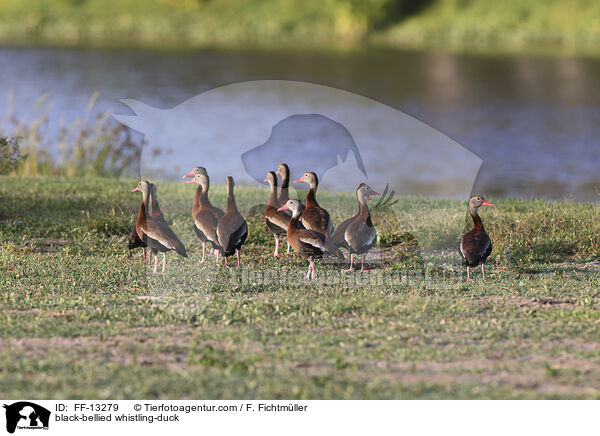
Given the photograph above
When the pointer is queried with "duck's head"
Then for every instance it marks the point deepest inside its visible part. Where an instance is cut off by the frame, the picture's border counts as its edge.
(295, 206)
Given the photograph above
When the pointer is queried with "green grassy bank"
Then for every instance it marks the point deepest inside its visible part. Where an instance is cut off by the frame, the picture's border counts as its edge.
(78, 313)
(547, 25)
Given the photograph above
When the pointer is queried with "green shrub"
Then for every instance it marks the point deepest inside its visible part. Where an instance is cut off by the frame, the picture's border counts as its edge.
(10, 154)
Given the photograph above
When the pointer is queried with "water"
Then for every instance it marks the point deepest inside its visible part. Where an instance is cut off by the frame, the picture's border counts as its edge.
(534, 121)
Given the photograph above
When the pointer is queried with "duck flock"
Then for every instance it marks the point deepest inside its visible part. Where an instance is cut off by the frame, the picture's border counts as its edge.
(308, 229)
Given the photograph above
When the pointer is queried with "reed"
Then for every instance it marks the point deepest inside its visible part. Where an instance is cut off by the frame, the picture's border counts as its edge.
(91, 145)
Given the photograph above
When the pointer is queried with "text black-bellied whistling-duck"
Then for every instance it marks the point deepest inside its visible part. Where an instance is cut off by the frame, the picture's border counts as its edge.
(159, 235)
(232, 229)
(314, 216)
(309, 244)
(276, 221)
(284, 171)
(476, 245)
(357, 234)
(206, 216)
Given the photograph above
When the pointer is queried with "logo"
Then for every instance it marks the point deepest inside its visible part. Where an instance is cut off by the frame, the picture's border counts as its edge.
(26, 415)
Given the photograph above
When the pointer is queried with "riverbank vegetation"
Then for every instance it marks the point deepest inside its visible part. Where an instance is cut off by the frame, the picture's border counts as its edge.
(546, 25)
(90, 145)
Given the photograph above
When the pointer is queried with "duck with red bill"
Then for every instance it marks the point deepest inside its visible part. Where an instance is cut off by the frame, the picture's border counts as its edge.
(275, 220)
(206, 216)
(152, 225)
(314, 216)
(357, 234)
(306, 243)
(476, 245)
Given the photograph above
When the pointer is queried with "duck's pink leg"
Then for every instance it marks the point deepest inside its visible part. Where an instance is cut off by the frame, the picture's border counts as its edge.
(351, 263)
(362, 263)
(483, 270)
(155, 262)
(164, 261)
(276, 254)
(288, 248)
(468, 273)
(312, 263)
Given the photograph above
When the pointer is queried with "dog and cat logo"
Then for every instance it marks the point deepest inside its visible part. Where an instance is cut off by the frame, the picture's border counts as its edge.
(26, 415)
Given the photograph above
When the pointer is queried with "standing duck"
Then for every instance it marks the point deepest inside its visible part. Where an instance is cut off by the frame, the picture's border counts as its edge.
(357, 234)
(475, 245)
(206, 216)
(309, 244)
(232, 229)
(276, 221)
(284, 171)
(153, 225)
(135, 240)
(314, 217)
(139, 233)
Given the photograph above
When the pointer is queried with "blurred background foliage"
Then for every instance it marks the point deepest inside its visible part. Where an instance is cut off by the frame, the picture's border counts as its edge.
(90, 145)
(516, 24)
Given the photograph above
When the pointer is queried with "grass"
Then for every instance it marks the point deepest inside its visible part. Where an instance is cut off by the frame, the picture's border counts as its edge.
(90, 322)
(548, 25)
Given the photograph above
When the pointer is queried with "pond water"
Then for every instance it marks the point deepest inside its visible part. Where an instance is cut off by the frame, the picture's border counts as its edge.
(533, 121)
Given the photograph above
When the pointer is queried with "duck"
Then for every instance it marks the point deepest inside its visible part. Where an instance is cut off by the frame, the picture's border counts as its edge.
(276, 221)
(476, 245)
(307, 243)
(284, 171)
(232, 229)
(357, 234)
(152, 225)
(206, 216)
(314, 216)
(140, 236)
(135, 241)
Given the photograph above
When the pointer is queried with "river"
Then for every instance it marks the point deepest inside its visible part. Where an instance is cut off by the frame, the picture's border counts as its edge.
(533, 121)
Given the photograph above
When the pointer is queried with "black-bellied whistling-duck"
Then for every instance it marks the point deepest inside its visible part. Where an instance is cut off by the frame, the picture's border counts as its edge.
(309, 244)
(135, 240)
(206, 216)
(284, 171)
(476, 245)
(314, 216)
(141, 236)
(159, 235)
(232, 229)
(276, 221)
(357, 234)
